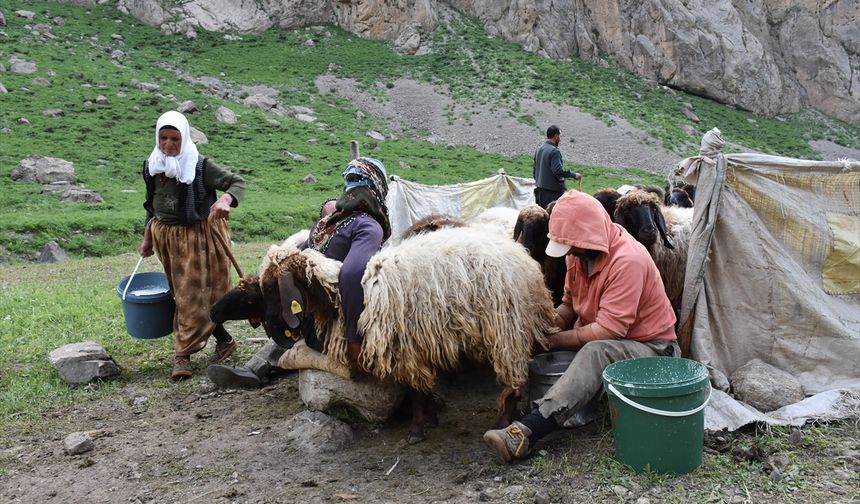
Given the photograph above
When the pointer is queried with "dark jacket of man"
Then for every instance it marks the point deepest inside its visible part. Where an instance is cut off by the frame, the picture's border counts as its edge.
(549, 173)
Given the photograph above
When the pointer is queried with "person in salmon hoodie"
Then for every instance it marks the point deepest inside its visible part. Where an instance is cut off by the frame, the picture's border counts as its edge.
(614, 308)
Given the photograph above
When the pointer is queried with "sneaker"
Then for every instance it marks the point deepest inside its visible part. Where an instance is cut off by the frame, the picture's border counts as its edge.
(181, 367)
(222, 351)
(510, 443)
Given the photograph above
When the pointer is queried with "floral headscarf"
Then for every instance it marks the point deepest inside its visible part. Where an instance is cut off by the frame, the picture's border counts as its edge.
(365, 189)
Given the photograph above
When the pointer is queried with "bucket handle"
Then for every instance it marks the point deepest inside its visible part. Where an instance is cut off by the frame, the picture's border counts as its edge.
(646, 409)
(127, 284)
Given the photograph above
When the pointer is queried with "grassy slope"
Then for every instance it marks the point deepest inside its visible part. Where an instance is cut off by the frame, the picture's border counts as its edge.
(107, 143)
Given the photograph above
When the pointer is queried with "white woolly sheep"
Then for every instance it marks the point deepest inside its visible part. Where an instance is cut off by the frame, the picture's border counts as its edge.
(664, 231)
(500, 219)
(427, 300)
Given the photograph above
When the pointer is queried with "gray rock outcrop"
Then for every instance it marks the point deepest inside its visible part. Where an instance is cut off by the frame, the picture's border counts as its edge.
(372, 399)
(767, 56)
(765, 387)
(20, 66)
(44, 169)
(52, 253)
(82, 362)
(198, 137)
(313, 432)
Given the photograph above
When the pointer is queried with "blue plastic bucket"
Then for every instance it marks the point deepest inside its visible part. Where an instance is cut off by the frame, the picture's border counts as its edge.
(148, 306)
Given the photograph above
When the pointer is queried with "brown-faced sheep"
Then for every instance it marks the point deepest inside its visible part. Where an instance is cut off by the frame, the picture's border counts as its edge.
(427, 300)
(680, 195)
(664, 231)
(430, 223)
(531, 231)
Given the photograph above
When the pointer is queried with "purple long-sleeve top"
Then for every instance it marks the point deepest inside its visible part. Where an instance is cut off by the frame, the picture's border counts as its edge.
(353, 245)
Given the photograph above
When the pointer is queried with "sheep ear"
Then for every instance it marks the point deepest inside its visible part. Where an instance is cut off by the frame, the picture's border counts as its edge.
(661, 227)
(292, 303)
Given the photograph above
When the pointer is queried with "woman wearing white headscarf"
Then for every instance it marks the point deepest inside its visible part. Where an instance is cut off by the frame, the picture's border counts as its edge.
(184, 215)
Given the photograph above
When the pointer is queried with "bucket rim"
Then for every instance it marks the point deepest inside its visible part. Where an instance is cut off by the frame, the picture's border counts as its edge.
(149, 278)
(654, 386)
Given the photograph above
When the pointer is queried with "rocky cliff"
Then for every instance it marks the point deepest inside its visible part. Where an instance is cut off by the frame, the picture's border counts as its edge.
(767, 56)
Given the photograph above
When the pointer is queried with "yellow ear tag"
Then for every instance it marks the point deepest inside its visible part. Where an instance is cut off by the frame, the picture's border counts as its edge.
(295, 307)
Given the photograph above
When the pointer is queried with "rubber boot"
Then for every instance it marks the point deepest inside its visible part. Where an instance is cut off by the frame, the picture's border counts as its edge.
(252, 373)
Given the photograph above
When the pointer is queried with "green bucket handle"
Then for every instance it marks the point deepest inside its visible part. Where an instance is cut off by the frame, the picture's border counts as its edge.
(642, 407)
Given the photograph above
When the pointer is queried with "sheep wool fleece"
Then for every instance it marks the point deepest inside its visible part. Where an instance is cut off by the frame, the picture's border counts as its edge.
(198, 273)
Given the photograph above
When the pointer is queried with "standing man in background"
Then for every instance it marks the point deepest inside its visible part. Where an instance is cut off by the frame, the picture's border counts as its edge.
(549, 173)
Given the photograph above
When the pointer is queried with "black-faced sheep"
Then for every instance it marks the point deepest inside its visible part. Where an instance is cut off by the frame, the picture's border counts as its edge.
(531, 231)
(681, 195)
(664, 231)
(428, 300)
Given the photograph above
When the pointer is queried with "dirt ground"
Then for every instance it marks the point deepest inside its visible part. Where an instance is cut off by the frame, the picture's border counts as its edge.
(206, 445)
(188, 442)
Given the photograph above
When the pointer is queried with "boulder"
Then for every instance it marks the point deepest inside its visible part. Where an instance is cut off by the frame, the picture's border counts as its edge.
(102, 100)
(309, 179)
(313, 432)
(376, 135)
(82, 362)
(40, 81)
(294, 110)
(52, 253)
(54, 112)
(295, 157)
(225, 115)
(765, 387)
(372, 399)
(44, 169)
(261, 102)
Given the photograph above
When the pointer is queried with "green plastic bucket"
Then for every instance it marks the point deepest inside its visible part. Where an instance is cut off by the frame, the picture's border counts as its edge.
(148, 306)
(657, 408)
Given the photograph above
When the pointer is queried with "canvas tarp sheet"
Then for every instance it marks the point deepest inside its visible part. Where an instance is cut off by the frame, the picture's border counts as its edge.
(773, 273)
(409, 201)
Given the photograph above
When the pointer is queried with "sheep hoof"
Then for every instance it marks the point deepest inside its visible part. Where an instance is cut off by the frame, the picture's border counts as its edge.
(415, 438)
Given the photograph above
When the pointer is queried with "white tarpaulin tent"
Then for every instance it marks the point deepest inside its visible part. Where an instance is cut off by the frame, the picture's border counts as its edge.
(773, 273)
(409, 201)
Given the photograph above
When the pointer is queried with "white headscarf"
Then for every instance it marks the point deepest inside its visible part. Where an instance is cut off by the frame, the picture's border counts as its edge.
(181, 167)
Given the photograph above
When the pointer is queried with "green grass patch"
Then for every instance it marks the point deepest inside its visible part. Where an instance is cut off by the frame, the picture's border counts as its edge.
(107, 143)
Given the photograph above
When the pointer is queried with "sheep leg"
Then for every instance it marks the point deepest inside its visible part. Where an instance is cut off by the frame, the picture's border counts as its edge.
(416, 428)
(431, 418)
(507, 405)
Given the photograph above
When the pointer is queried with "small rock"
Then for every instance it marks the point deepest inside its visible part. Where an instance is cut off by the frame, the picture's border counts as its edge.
(22, 120)
(309, 43)
(116, 36)
(146, 86)
(690, 130)
(82, 362)
(690, 115)
(314, 432)
(513, 490)
(2, 19)
(40, 81)
(3, 89)
(359, 115)
(77, 443)
(294, 110)
(796, 437)
(273, 122)
(59, 21)
(620, 491)
(28, 15)
(776, 462)
(833, 488)
(313, 141)
(643, 500)
(775, 475)
(484, 497)
(22, 67)
(225, 115)
(295, 157)
(52, 253)
(102, 100)
(305, 118)
(765, 387)
(198, 137)
(842, 474)
(118, 54)
(376, 135)
(309, 179)
(187, 107)
(541, 498)
(54, 112)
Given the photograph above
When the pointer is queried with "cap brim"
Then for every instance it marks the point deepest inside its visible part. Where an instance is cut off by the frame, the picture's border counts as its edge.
(556, 249)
